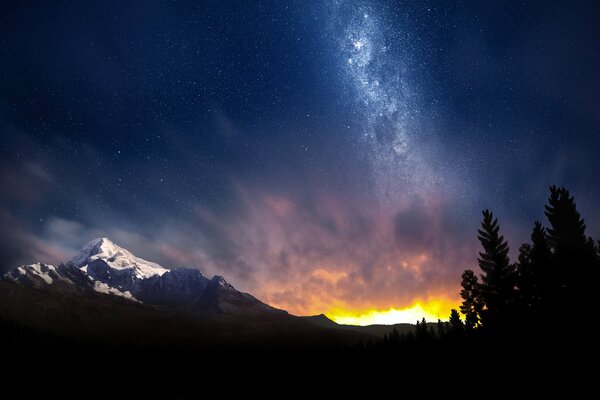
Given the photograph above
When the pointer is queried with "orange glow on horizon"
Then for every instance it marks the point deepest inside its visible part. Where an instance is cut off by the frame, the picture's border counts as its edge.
(431, 310)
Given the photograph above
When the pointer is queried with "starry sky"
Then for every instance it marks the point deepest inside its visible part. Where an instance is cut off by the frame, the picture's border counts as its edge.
(326, 156)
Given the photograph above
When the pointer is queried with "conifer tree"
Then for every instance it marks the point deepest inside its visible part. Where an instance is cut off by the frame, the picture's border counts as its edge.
(537, 277)
(498, 278)
(572, 251)
(471, 306)
(421, 331)
(456, 325)
(567, 234)
(441, 329)
(526, 280)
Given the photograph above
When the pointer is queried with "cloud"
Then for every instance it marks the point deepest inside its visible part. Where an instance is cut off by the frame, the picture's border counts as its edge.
(20, 246)
(24, 184)
(307, 253)
(412, 224)
(312, 255)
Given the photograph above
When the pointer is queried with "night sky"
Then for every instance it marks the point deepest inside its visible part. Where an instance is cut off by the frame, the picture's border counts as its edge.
(326, 156)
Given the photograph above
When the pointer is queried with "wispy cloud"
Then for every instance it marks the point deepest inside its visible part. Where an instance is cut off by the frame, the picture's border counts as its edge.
(306, 256)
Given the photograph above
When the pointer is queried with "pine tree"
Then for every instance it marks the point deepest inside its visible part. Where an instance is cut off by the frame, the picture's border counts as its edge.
(421, 330)
(537, 276)
(456, 325)
(472, 304)
(526, 281)
(567, 234)
(541, 257)
(498, 278)
(573, 253)
(441, 329)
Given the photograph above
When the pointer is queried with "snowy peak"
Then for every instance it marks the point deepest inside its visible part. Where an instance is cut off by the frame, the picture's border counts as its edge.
(116, 258)
(95, 247)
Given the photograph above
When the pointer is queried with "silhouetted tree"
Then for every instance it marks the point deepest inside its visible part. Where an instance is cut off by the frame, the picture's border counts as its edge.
(573, 253)
(567, 235)
(597, 254)
(456, 325)
(498, 278)
(526, 280)
(472, 304)
(421, 330)
(537, 277)
(556, 274)
(441, 329)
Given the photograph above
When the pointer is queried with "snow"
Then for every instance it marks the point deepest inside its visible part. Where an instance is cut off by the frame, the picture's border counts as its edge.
(116, 257)
(38, 269)
(102, 287)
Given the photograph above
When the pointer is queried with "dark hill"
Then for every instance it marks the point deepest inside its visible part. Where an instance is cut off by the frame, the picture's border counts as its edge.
(374, 330)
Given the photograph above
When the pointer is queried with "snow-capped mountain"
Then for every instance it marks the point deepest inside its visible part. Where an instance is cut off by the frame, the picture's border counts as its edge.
(116, 258)
(103, 267)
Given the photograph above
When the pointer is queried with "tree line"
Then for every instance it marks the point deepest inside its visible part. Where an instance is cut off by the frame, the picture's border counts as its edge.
(553, 281)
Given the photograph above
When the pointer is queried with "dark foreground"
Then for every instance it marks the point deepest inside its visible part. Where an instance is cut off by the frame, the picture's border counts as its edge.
(48, 363)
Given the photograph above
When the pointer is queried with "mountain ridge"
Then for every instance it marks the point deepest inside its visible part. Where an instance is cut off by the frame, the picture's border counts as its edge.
(378, 330)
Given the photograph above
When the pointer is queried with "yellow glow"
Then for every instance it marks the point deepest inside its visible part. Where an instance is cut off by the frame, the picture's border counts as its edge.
(430, 310)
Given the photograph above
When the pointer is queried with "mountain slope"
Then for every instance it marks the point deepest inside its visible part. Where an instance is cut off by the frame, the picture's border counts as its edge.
(96, 319)
(43, 276)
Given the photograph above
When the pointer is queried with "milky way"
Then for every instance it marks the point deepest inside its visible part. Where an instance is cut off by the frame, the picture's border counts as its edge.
(376, 60)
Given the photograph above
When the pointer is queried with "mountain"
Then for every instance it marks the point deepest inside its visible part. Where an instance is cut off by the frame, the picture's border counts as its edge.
(323, 321)
(106, 300)
(103, 267)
